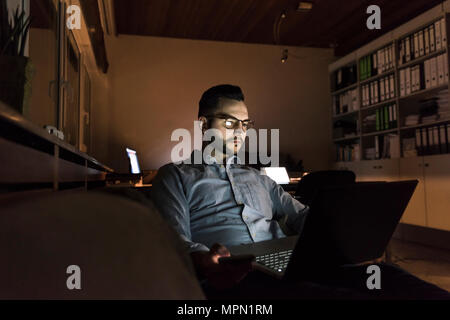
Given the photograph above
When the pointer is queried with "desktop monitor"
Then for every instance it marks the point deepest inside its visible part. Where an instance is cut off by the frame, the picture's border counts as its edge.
(134, 163)
(278, 174)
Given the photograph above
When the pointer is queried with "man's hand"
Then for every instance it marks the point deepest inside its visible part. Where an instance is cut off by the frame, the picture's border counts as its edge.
(220, 275)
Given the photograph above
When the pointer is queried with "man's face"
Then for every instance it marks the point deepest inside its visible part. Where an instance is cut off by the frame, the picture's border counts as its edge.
(233, 110)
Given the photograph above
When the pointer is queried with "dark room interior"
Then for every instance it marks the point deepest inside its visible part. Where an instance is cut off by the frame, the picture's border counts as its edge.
(224, 149)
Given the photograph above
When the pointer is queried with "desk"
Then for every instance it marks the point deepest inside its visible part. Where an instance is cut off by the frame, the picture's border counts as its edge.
(129, 185)
(291, 187)
(131, 180)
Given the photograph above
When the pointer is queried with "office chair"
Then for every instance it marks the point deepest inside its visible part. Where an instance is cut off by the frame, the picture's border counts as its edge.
(310, 184)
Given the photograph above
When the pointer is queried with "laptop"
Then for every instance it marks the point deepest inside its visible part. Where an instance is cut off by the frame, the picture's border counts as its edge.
(135, 168)
(134, 163)
(278, 174)
(347, 225)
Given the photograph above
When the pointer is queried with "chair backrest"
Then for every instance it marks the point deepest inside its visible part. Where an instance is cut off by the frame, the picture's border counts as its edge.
(124, 250)
(310, 184)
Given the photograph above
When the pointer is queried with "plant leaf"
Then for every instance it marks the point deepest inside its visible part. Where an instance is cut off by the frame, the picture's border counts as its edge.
(26, 28)
(12, 39)
(11, 36)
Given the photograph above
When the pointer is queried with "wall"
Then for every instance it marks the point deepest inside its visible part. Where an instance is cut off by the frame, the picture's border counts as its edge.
(156, 84)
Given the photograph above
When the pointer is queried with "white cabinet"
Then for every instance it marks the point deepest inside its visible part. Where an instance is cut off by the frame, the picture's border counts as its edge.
(410, 169)
(437, 191)
(430, 204)
(372, 170)
(378, 170)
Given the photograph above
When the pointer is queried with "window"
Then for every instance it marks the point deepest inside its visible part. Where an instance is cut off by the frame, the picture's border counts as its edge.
(52, 87)
(61, 84)
(85, 111)
(43, 52)
(71, 92)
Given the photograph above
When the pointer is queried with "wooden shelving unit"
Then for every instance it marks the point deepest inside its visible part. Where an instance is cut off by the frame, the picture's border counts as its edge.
(429, 205)
(400, 101)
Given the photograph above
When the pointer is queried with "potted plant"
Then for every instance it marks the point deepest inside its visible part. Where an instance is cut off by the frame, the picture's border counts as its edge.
(16, 70)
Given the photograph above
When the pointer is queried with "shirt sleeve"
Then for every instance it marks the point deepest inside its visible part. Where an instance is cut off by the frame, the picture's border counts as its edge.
(285, 206)
(169, 197)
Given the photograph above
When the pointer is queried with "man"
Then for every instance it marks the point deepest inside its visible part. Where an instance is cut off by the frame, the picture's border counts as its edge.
(217, 204)
(220, 202)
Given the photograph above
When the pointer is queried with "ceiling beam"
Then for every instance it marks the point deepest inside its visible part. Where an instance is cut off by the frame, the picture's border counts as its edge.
(91, 15)
(107, 16)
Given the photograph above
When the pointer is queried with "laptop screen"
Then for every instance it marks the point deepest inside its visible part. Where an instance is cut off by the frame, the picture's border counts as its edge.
(134, 163)
(278, 174)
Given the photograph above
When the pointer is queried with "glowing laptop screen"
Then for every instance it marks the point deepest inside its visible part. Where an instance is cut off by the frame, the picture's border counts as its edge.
(133, 161)
(278, 174)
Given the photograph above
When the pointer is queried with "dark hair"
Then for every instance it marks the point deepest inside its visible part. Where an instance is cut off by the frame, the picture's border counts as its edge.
(210, 98)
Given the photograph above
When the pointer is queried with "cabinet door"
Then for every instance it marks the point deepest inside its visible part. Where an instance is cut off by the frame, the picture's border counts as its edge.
(437, 191)
(415, 213)
(379, 170)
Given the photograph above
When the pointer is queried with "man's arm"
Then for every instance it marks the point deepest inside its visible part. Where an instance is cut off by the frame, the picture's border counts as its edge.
(169, 197)
(285, 206)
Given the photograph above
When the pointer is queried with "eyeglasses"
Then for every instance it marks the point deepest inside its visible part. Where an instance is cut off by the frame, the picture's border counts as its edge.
(233, 123)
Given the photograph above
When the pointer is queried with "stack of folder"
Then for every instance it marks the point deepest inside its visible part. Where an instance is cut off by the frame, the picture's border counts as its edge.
(377, 63)
(425, 41)
(386, 117)
(409, 147)
(428, 110)
(345, 128)
(443, 106)
(369, 122)
(385, 147)
(345, 102)
(412, 120)
(435, 109)
(433, 140)
(427, 74)
(349, 152)
(436, 71)
(378, 90)
(431, 72)
(344, 77)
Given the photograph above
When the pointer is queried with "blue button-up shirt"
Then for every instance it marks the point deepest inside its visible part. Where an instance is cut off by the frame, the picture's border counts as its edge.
(231, 205)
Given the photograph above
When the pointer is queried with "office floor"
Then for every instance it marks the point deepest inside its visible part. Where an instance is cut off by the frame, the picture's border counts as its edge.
(427, 263)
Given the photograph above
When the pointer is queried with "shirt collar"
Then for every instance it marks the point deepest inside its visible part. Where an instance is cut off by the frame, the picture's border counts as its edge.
(209, 160)
(212, 160)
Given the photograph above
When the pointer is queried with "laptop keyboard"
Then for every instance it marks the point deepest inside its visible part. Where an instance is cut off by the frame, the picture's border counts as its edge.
(276, 261)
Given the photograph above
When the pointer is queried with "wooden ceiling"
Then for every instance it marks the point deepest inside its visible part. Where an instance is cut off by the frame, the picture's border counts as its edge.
(331, 23)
